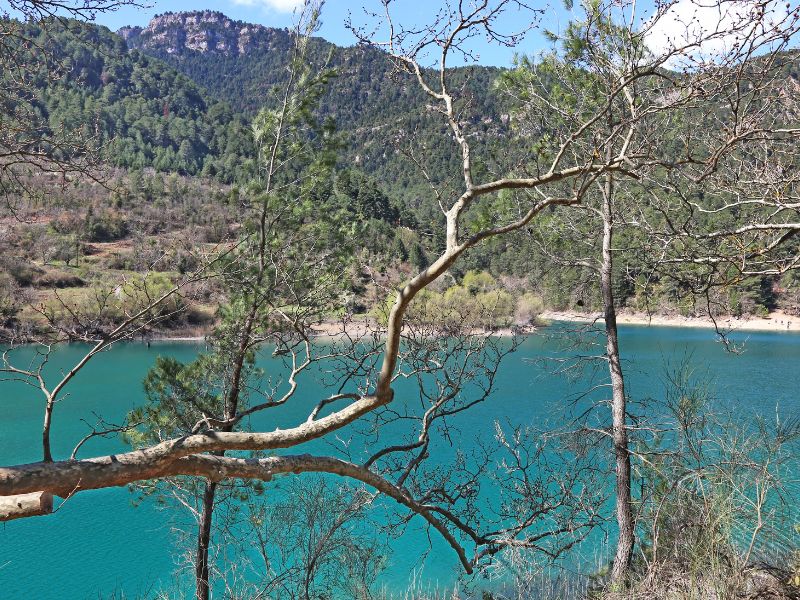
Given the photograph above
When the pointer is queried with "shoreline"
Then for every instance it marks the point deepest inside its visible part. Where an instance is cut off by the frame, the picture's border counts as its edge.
(777, 321)
(356, 329)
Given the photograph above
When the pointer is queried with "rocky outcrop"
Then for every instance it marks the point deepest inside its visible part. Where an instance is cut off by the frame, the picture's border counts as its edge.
(199, 31)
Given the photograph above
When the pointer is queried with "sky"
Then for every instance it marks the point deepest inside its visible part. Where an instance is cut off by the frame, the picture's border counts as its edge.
(279, 13)
(684, 18)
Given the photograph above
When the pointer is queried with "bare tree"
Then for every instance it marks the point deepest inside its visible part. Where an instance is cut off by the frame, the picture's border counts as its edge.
(364, 384)
(608, 78)
(328, 543)
(714, 228)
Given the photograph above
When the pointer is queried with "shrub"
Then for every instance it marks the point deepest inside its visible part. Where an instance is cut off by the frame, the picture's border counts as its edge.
(712, 500)
(529, 307)
(60, 280)
(9, 300)
(23, 272)
(476, 282)
(105, 227)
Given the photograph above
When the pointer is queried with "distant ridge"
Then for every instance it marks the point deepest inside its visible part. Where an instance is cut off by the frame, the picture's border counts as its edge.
(207, 31)
(371, 103)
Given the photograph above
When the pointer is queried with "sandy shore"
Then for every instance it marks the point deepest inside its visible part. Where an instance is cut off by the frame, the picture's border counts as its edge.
(777, 321)
(359, 329)
(356, 329)
(196, 339)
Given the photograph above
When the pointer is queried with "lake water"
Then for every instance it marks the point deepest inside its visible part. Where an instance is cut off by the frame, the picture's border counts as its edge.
(98, 544)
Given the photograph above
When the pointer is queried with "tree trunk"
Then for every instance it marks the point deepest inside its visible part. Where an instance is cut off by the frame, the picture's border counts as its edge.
(202, 583)
(622, 558)
(25, 505)
(203, 586)
(48, 416)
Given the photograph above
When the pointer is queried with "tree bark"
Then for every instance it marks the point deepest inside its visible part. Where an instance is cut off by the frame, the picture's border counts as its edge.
(216, 468)
(622, 558)
(25, 505)
(47, 454)
(202, 582)
(201, 570)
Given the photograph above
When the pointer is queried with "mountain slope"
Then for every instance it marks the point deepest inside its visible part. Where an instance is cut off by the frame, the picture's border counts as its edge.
(370, 102)
(136, 109)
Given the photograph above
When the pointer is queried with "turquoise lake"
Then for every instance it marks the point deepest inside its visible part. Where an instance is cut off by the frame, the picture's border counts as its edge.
(98, 544)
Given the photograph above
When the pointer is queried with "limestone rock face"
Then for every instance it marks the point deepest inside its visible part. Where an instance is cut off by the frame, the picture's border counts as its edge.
(199, 31)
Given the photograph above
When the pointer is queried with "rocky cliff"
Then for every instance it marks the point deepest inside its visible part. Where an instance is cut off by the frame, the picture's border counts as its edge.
(201, 31)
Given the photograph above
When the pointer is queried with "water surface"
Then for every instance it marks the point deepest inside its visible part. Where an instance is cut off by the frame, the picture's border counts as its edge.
(98, 543)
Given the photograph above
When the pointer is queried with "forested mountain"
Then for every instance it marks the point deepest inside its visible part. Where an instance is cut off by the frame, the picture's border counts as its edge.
(178, 97)
(139, 113)
(370, 103)
(193, 118)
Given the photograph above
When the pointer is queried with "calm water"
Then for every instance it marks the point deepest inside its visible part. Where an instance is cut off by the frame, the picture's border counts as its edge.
(98, 543)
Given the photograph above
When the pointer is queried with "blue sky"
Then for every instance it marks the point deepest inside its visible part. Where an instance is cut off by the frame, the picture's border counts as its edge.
(278, 13)
(692, 16)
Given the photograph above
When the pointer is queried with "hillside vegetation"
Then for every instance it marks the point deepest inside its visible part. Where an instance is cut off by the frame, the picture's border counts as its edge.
(169, 108)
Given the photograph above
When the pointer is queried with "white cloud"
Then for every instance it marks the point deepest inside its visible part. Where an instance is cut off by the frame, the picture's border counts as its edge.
(283, 6)
(710, 29)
